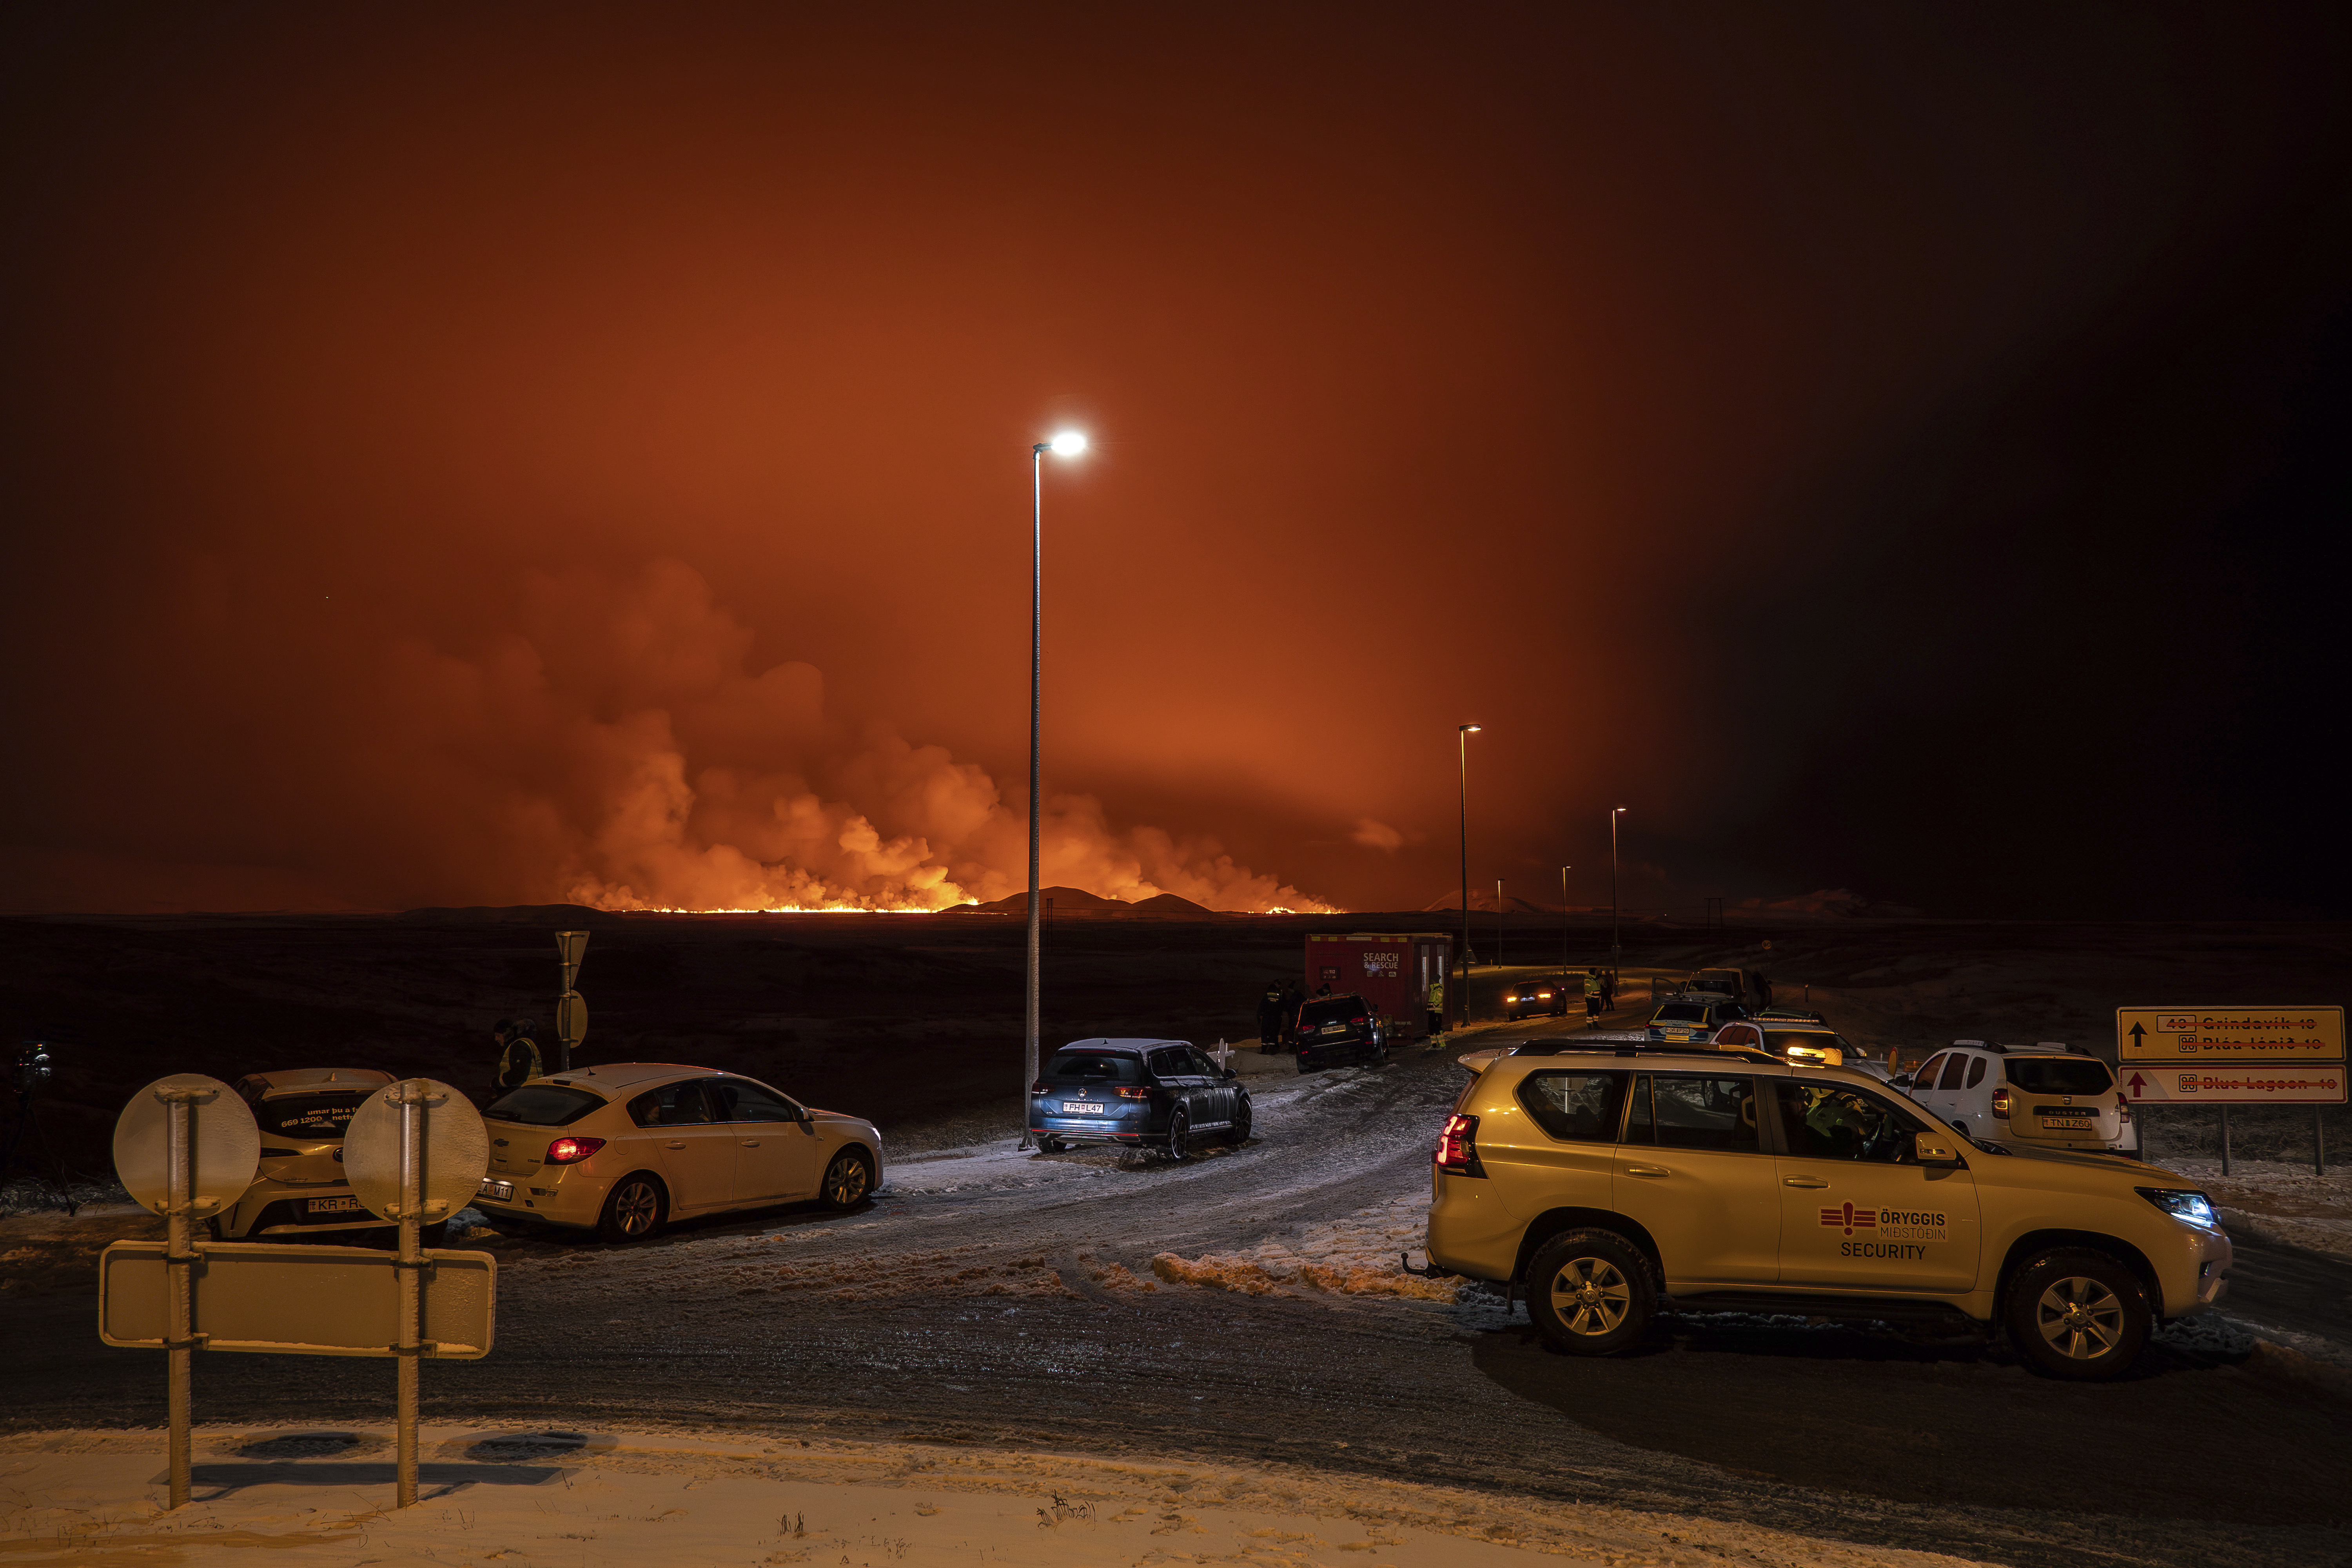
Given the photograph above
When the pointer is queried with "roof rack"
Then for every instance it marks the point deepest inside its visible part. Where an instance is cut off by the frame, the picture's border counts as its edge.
(1645, 1048)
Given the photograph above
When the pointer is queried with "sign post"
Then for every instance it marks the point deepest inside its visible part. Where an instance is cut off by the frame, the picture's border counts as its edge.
(571, 1011)
(186, 1147)
(2234, 1056)
(415, 1151)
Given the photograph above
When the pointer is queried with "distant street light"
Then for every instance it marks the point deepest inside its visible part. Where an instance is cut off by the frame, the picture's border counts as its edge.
(1461, 733)
(1066, 444)
(1499, 923)
(1614, 951)
(1564, 870)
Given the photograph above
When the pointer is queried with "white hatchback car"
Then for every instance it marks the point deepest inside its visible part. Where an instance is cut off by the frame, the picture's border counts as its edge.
(624, 1148)
(2043, 1097)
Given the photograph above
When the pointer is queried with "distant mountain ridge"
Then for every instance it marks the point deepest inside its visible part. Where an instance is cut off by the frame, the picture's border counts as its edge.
(1077, 901)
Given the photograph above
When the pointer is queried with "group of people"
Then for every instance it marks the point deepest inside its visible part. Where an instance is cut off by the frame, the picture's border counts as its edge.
(1277, 1007)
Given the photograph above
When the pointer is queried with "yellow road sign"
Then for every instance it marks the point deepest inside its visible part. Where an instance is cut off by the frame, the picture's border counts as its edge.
(2231, 1035)
(298, 1301)
(2232, 1083)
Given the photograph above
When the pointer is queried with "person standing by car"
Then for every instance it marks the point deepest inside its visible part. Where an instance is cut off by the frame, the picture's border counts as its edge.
(1269, 1015)
(1436, 1009)
(517, 1054)
(1593, 998)
(1609, 991)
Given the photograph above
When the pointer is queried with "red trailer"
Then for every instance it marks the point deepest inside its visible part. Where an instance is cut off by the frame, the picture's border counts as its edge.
(1393, 971)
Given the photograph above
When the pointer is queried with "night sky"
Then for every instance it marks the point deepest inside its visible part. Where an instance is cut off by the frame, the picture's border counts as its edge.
(497, 455)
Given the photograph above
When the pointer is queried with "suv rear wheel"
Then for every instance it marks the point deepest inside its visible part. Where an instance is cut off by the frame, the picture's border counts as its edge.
(2077, 1314)
(1591, 1291)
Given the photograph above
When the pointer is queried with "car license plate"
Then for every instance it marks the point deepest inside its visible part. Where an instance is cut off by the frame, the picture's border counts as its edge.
(496, 1191)
(1335, 1028)
(334, 1205)
(2067, 1123)
(1081, 1107)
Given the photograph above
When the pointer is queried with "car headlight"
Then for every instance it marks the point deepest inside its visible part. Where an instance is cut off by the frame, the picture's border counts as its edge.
(2190, 1206)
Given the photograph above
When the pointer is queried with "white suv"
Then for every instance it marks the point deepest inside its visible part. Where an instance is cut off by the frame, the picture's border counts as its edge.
(2042, 1097)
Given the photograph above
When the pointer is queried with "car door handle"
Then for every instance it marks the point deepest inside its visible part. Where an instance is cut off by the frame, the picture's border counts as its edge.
(750, 1143)
(674, 1144)
(1647, 1170)
(1802, 1182)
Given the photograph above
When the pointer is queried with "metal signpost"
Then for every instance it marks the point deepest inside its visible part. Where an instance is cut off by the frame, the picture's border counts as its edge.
(571, 1011)
(415, 1154)
(187, 1147)
(2234, 1056)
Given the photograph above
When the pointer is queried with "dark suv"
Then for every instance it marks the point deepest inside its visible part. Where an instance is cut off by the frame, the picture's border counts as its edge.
(1333, 1031)
(1159, 1094)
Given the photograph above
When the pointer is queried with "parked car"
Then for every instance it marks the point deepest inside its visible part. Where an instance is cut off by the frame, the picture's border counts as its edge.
(1606, 1185)
(1693, 1017)
(1731, 983)
(1159, 1094)
(1335, 1031)
(1530, 997)
(300, 1189)
(624, 1148)
(1801, 1039)
(2044, 1096)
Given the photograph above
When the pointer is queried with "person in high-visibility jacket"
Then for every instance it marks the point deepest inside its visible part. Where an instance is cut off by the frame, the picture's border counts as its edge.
(1436, 1010)
(518, 1060)
(1593, 998)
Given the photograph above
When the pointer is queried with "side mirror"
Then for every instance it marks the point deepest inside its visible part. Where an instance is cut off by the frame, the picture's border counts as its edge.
(1935, 1149)
(1230, 1074)
(1901, 1080)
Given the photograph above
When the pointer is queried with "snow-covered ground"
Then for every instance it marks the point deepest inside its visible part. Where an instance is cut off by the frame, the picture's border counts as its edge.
(322, 1499)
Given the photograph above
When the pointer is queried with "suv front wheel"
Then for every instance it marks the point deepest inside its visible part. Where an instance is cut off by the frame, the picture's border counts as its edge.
(1591, 1291)
(2077, 1314)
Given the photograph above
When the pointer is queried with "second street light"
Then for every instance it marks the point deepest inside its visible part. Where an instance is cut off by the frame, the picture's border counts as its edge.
(1067, 444)
(1614, 813)
(1461, 733)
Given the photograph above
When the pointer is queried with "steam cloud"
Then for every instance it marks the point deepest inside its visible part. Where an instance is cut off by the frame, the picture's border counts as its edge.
(633, 760)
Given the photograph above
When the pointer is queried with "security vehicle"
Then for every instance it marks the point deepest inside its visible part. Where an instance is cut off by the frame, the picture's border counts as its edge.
(300, 1189)
(1609, 1185)
(1530, 997)
(1729, 983)
(1155, 1094)
(1336, 1031)
(2044, 1096)
(1693, 1017)
(622, 1148)
(1802, 1039)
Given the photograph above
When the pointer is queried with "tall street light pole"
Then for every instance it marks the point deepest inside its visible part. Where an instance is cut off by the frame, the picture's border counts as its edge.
(1564, 870)
(1069, 444)
(1616, 812)
(1461, 733)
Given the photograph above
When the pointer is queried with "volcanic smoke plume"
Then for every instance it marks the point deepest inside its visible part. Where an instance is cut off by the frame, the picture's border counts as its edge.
(617, 744)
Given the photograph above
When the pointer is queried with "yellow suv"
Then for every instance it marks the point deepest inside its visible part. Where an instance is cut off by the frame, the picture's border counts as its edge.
(1610, 1182)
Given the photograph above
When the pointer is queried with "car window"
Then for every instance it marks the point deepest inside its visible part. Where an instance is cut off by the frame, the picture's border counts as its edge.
(738, 1100)
(2060, 1075)
(1925, 1078)
(543, 1105)
(1679, 1013)
(1576, 1107)
(1976, 1071)
(1675, 1111)
(311, 1117)
(671, 1105)
(1171, 1063)
(1202, 1064)
(1954, 1065)
(1096, 1067)
(1826, 1122)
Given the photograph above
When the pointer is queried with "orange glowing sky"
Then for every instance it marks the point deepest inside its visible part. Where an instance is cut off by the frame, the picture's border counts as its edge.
(583, 452)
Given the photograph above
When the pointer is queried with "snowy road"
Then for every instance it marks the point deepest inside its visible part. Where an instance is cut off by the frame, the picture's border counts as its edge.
(991, 1297)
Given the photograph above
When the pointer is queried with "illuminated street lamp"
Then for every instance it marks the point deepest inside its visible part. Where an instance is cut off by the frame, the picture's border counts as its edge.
(1564, 870)
(1461, 733)
(1066, 444)
(1614, 813)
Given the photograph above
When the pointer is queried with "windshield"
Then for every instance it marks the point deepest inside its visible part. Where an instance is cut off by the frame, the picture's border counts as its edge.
(1679, 1013)
(2060, 1075)
(543, 1105)
(1093, 1066)
(1332, 1010)
(312, 1117)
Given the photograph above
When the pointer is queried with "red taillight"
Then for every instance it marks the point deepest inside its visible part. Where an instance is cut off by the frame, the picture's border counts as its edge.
(1457, 1147)
(1144, 1093)
(2000, 1102)
(2123, 1106)
(571, 1150)
(1360, 1023)
(1037, 1088)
